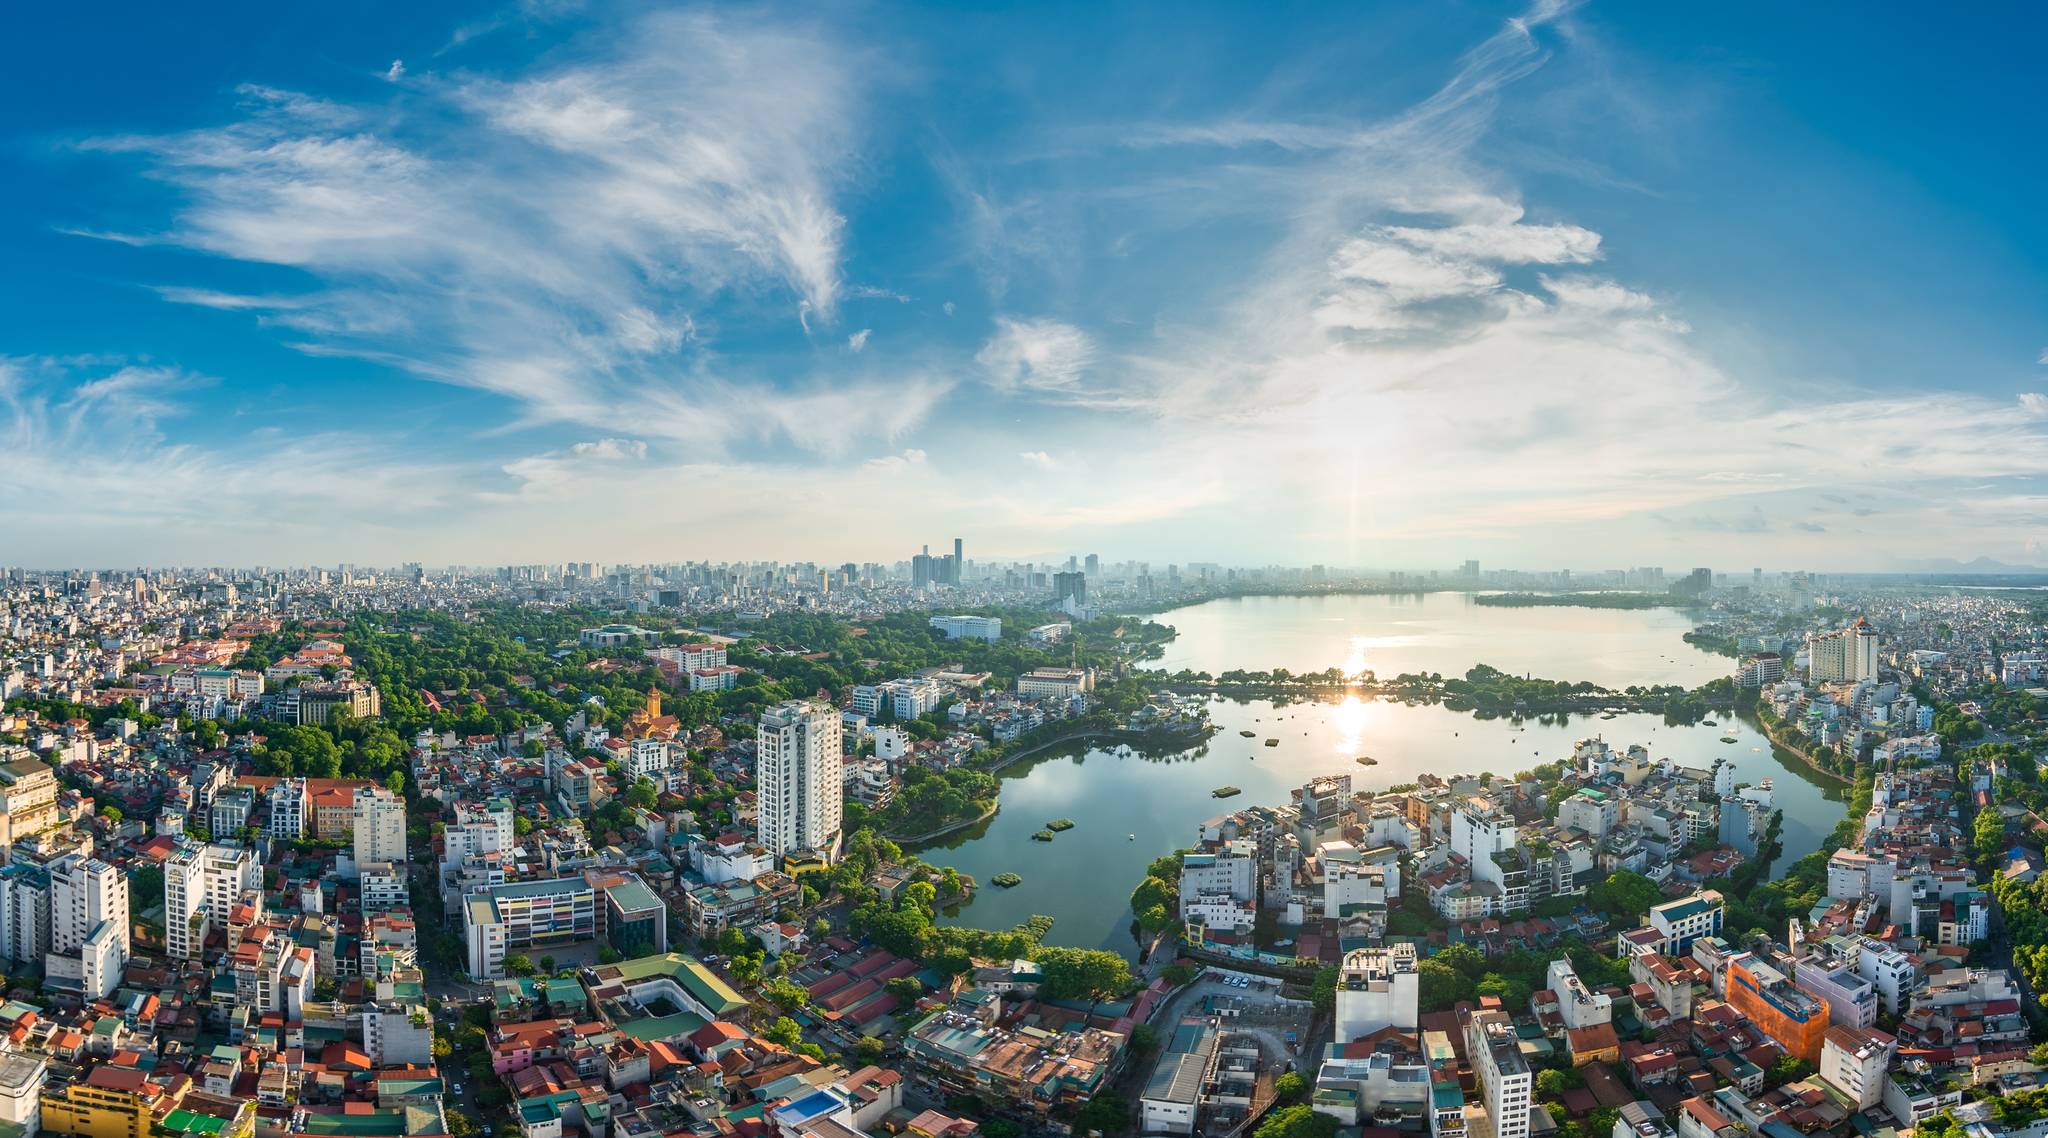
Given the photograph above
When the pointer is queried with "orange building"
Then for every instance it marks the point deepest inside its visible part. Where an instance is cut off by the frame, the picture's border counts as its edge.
(1797, 1020)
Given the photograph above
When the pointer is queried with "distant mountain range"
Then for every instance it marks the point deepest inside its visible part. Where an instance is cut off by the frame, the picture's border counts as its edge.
(1981, 566)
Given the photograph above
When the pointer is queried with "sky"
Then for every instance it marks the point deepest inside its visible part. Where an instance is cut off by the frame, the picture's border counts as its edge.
(1366, 285)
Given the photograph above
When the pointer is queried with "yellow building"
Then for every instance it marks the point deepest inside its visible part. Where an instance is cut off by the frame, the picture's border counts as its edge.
(804, 865)
(111, 1102)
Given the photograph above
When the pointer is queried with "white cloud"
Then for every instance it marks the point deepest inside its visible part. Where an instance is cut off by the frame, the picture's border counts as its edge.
(2034, 403)
(395, 72)
(1037, 458)
(551, 238)
(1043, 357)
(1512, 243)
(859, 339)
(948, 307)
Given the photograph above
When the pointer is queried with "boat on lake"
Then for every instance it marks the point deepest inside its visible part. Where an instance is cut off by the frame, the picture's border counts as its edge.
(1249, 734)
(1275, 742)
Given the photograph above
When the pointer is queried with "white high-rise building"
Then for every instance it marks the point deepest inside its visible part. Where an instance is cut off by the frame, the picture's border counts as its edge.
(1478, 831)
(1378, 988)
(1854, 1061)
(479, 830)
(201, 885)
(1504, 1078)
(1862, 651)
(379, 826)
(290, 804)
(799, 778)
(1849, 654)
(83, 892)
(24, 912)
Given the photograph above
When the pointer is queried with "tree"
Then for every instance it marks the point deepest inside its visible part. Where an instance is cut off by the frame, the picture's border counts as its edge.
(518, 964)
(1990, 833)
(111, 814)
(870, 1051)
(1082, 973)
(1513, 991)
(1324, 992)
(1181, 975)
(1296, 1122)
(787, 995)
(1108, 1112)
(1788, 1069)
(1291, 1088)
(1626, 895)
(1552, 1084)
(641, 795)
(784, 1031)
(547, 966)
(1439, 986)
(1144, 1039)
(1001, 1128)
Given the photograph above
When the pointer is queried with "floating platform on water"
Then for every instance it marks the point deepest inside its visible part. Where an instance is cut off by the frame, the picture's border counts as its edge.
(1366, 761)
(1225, 792)
(1272, 742)
(1059, 824)
(1042, 836)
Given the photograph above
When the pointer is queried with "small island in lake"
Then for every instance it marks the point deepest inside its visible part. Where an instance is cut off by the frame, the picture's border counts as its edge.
(1367, 761)
(1042, 836)
(1059, 824)
(1225, 792)
(1006, 880)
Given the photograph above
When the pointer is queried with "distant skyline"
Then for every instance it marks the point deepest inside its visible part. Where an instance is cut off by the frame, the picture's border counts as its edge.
(1365, 285)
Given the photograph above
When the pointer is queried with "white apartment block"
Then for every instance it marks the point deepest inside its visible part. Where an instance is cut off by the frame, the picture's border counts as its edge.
(289, 806)
(1055, 683)
(1580, 1005)
(83, 892)
(1231, 873)
(1506, 1084)
(1478, 832)
(1377, 988)
(649, 758)
(379, 826)
(24, 912)
(383, 887)
(691, 657)
(1854, 1062)
(799, 776)
(968, 627)
(201, 885)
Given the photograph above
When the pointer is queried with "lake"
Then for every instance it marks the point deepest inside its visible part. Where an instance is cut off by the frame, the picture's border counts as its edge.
(1437, 632)
(1129, 809)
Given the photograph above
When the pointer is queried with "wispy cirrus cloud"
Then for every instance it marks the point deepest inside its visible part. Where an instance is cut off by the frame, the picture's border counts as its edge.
(552, 237)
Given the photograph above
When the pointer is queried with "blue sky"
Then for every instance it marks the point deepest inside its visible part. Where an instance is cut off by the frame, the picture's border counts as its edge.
(1567, 285)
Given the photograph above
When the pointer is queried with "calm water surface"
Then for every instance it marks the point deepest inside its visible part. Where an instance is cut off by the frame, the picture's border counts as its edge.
(1437, 632)
(1129, 809)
